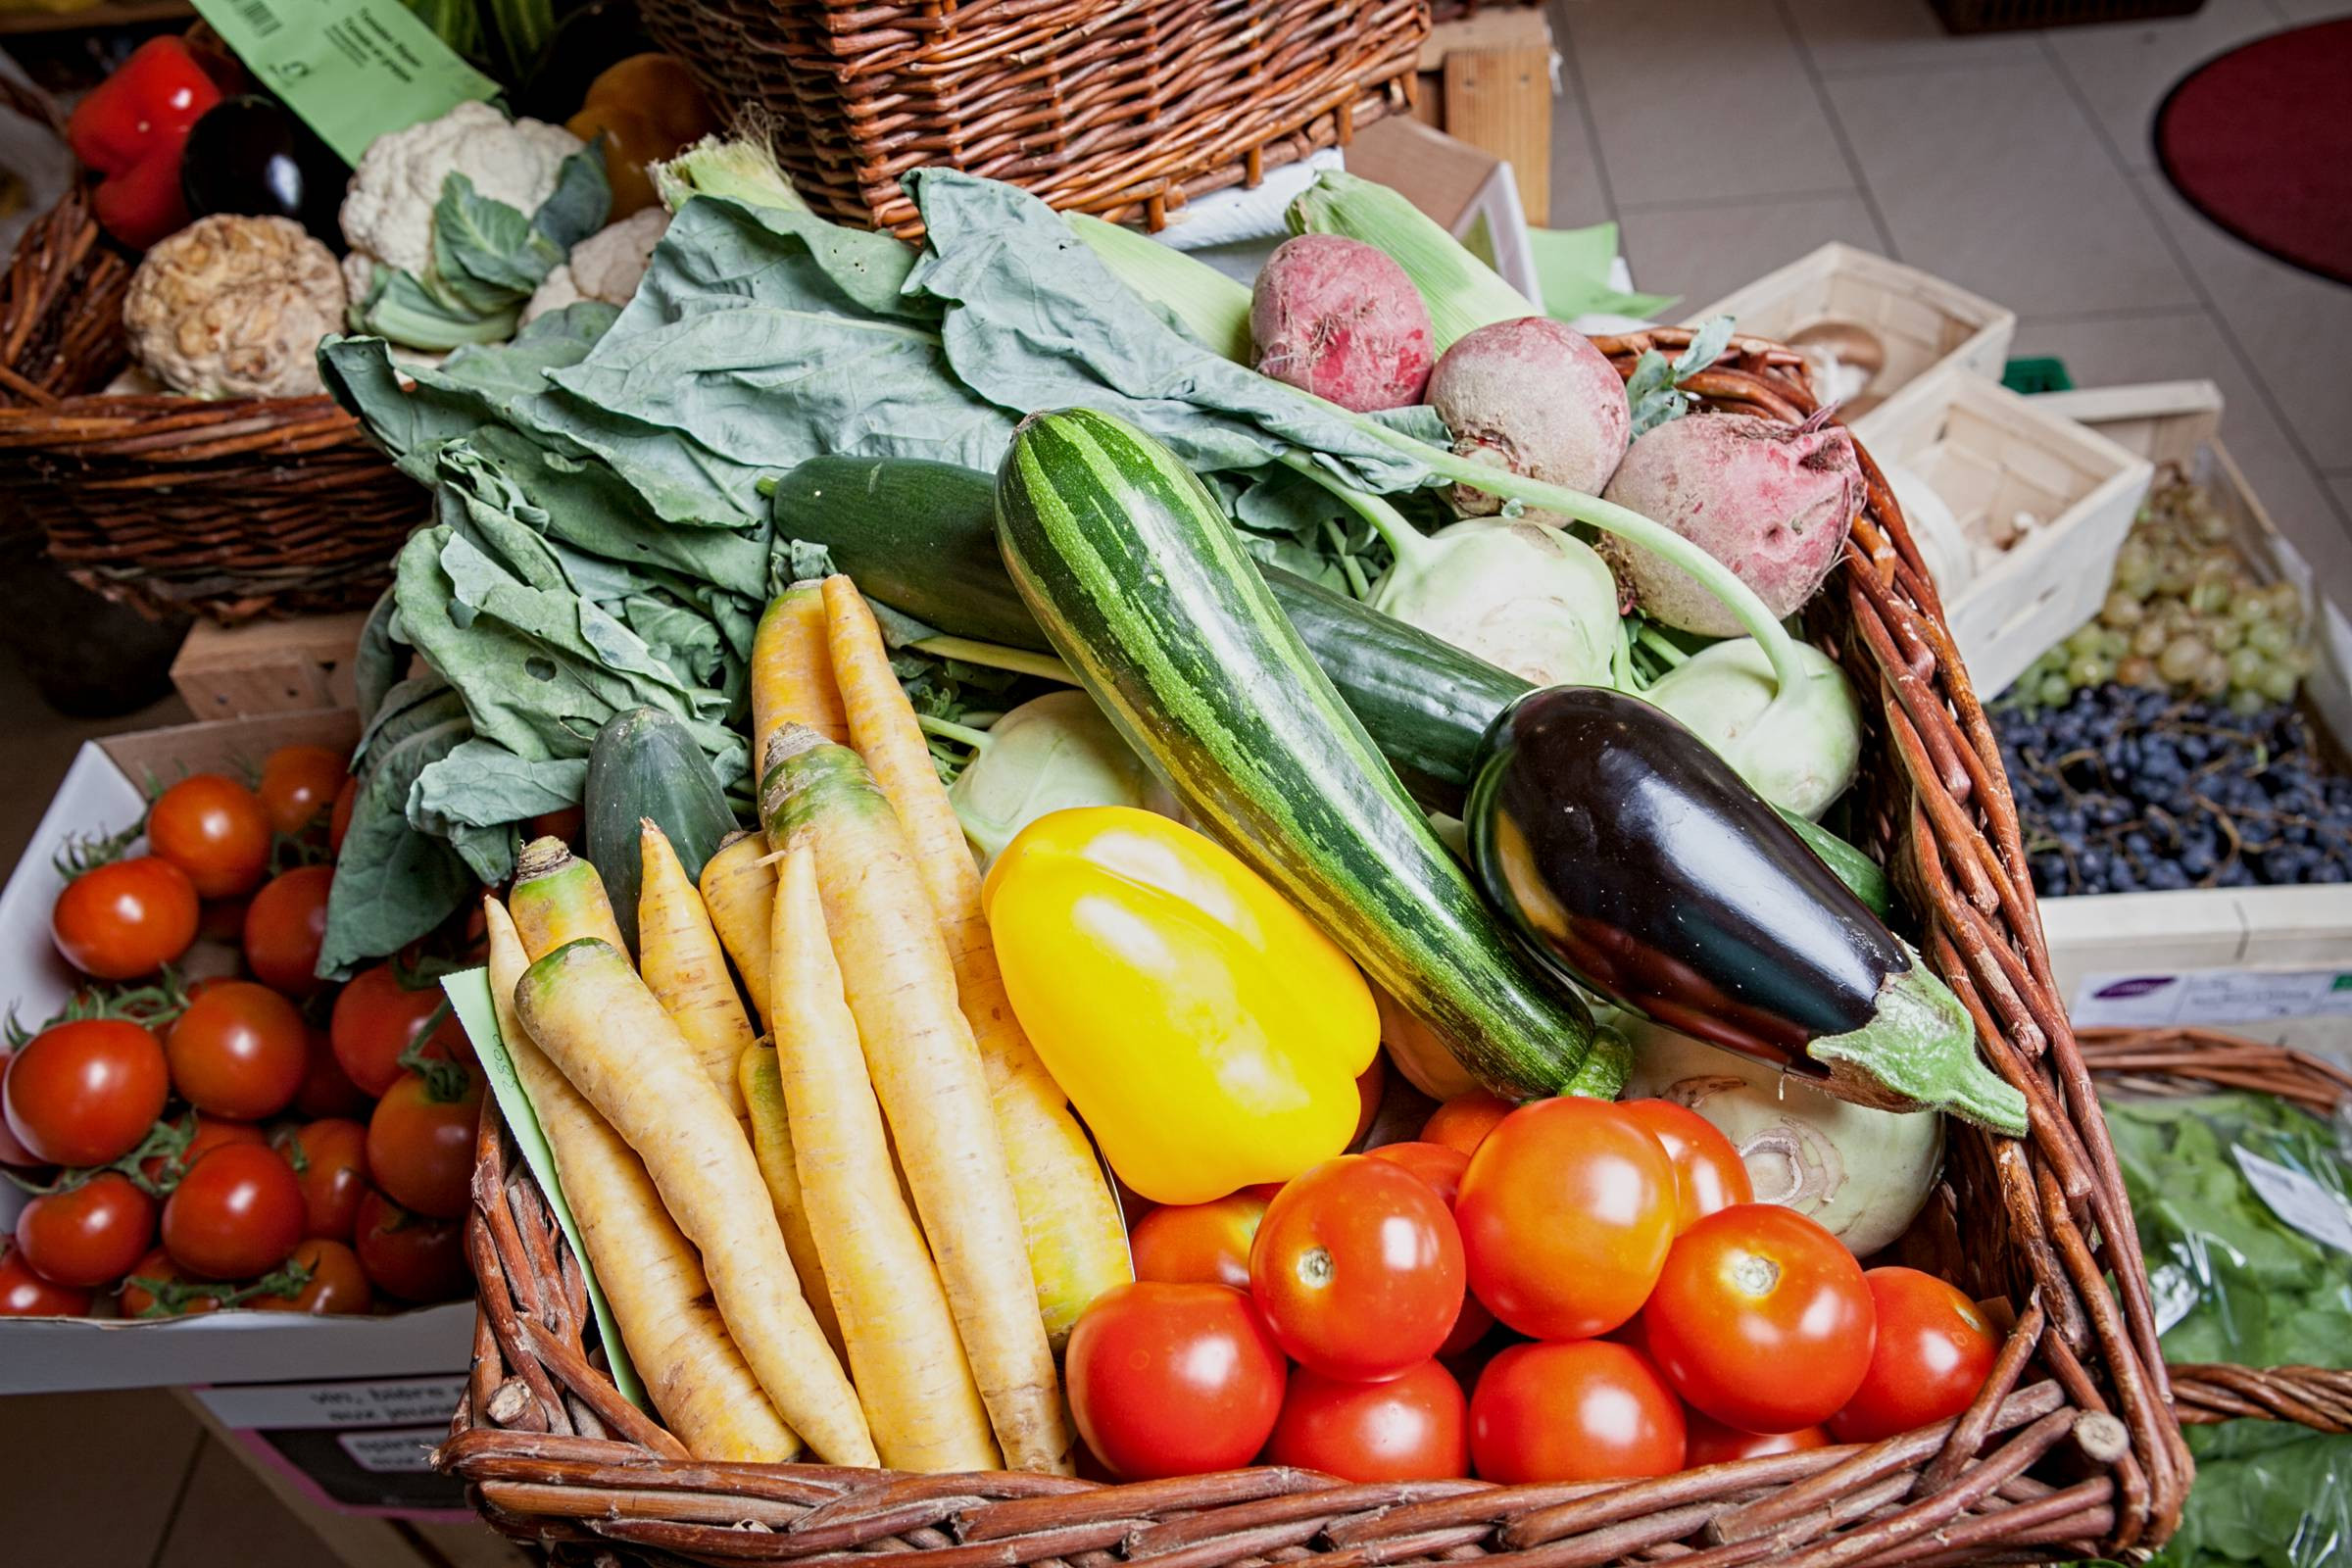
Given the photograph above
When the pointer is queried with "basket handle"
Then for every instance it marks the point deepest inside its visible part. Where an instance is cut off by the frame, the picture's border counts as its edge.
(27, 98)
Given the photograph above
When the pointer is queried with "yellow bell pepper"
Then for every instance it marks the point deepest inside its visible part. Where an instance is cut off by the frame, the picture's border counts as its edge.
(1207, 1031)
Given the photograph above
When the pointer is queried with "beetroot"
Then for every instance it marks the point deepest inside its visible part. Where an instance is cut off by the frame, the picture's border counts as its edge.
(1770, 500)
(1535, 397)
(1337, 318)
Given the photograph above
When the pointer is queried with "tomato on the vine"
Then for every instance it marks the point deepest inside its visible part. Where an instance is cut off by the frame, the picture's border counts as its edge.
(285, 926)
(1567, 1211)
(1708, 1172)
(408, 1256)
(1464, 1121)
(1173, 1380)
(1761, 1319)
(166, 1290)
(298, 783)
(329, 1157)
(1370, 1085)
(1574, 1410)
(237, 1213)
(327, 1089)
(333, 1282)
(87, 1235)
(376, 1019)
(126, 918)
(1713, 1442)
(240, 1050)
(214, 829)
(338, 817)
(12, 1150)
(1439, 1164)
(421, 1139)
(1414, 1427)
(1358, 1269)
(1933, 1354)
(85, 1092)
(207, 1133)
(1198, 1244)
(24, 1294)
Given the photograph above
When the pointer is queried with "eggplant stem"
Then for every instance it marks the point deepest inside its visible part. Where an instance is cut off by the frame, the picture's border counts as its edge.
(995, 656)
(1406, 543)
(979, 740)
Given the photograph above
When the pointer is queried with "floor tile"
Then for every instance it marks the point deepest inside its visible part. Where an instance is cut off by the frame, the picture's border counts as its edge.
(91, 1478)
(1579, 194)
(2124, 69)
(41, 747)
(2313, 10)
(1992, 176)
(1703, 253)
(1646, 67)
(2281, 316)
(2113, 350)
(2340, 484)
(1843, 36)
(229, 1518)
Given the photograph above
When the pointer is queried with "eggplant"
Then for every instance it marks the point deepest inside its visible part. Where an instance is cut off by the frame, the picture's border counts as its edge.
(1631, 859)
(252, 156)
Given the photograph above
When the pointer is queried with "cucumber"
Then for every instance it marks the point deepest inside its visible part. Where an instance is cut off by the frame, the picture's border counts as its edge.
(645, 763)
(1141, 584)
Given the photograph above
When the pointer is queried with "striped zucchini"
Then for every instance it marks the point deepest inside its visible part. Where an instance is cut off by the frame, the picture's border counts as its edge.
(1141, 586)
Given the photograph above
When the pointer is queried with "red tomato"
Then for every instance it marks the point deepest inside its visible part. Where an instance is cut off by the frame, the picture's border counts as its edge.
(1370, 1085)
(24, 1294)
(1761, 1319)
(1713, 1442)
(1464, 1121)
(1708, 1172)
(214, 829)
(297, 782)
(1198, 1244)
(333, 1282)
(338, 818)
(1579, 1410)
(1932, 1352)
(567, 822)
(237, 1213)
(125, 919)
(377, 1018)
(208, 1133)
(1439, 1164)
(1358, 1269)
(330, 1162)
(408, 1255)
(85, 1092)
(12, 1151)
(327, 1090)
(168, 1291)
(1173, 1380)
(88, 1234)
(1567, 1211)
(284, 927)
(223, 920)
(1410, 1428)
(421, 1141)
(240, 1050)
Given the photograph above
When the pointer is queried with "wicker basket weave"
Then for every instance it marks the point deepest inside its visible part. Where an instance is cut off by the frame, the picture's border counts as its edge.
(2071, 1450)
(1113, 106)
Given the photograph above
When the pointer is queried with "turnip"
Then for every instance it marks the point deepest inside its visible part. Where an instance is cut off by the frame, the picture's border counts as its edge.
(1806, 757)
(1770, 500)
(1337, 318)
(1534, 397)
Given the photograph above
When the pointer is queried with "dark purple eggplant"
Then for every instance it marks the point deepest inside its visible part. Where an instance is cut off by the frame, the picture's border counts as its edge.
(252, 156)
(1629, 857)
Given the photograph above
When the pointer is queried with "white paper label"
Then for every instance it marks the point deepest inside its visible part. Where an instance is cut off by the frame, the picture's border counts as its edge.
(406, 1452)
(2298, 1200)
(387, 1402)
(2142, 1001)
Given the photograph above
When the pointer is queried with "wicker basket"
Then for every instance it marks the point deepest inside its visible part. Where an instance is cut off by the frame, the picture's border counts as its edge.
(2072, 1449)
(1113, 106)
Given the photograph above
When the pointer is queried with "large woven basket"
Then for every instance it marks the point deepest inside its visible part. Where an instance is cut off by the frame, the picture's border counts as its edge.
(2072, 1450)
(1116, 107)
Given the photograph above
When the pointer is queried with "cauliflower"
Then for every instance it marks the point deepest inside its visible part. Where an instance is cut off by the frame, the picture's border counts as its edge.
(234, 307)
(606, 266)
(388, 212)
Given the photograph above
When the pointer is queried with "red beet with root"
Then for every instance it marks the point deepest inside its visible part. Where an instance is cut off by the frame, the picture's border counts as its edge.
(1535, 397)
(1337, 318)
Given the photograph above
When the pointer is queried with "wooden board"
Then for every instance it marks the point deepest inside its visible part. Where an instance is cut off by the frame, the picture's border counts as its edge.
(268, 666)
(1487, 80)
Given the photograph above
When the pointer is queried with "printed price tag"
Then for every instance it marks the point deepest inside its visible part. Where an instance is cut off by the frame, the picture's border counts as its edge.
(353, 69)
(2298, 1200)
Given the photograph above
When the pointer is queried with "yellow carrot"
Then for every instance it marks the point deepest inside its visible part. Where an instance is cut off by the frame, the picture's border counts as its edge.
(739, 888)
(792, 679)
(909, 1366)
(558, 898)
(679, 956)
(587, 1009)
(1069, 1219)
(901, 990)
(651, 1279)
(763, 1090)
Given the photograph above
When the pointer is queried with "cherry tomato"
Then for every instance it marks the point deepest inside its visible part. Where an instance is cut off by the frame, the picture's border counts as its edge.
(335, 1282)
(12, 1151)
(1932, 1352)
(1439, 1164)
(284, 927)
(85, 1092)
(1464, 1121)
(88, 1234)
(1414, 1427)
(421, 1142)
(298, 783)
(214, 829)
(327, 1090)
(24, 1294)
(338, 818)
(1173, 1380)
(1575, 1410)
(1708, 1172)
(223, 920)
(1713, 1442)
(330, 1162)
(408, 1256)
(1567, 1211)
(1358, 1269)
(1198, 1244)
(1370, 1085)
(237, 1213)
(1761, 1319)
(207, 1134)
(567, 822)
(240, 1050)
(377, 1018)
(125, 919)
(168, 1291)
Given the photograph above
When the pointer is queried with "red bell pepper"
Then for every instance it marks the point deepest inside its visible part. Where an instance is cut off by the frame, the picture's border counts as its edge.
(129, 128)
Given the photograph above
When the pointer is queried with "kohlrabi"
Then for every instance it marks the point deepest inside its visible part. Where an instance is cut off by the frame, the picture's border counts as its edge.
(1806, 757)
(1052, 752)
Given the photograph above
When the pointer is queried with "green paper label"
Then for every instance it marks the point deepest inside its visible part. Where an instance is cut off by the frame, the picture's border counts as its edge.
(353, 69)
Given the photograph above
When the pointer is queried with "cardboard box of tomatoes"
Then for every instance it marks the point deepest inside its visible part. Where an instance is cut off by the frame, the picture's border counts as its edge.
(208, 1328)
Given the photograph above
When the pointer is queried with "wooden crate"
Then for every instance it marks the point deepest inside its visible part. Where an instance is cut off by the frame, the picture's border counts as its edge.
(1487, 78)
(268, 666)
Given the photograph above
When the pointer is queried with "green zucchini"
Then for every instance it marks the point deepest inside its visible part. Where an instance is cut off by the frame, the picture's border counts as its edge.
(645, 763)
(1142, 587)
